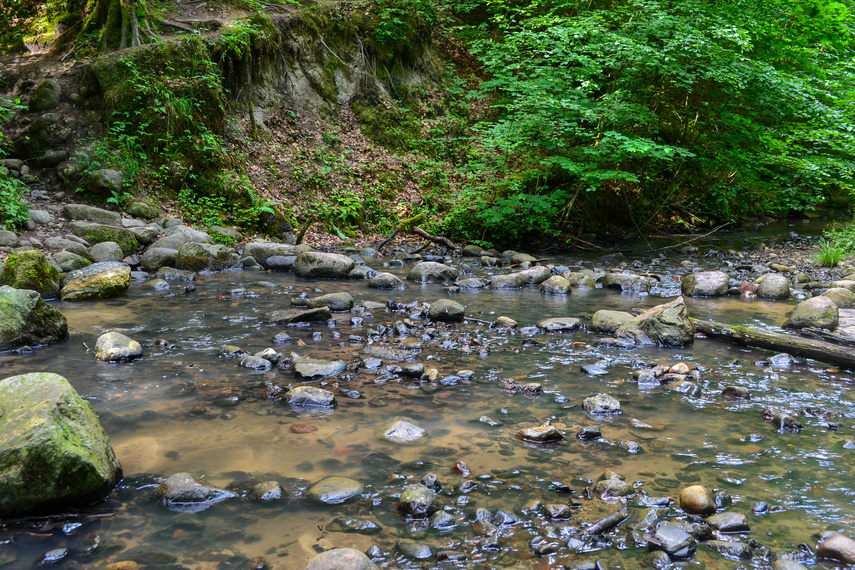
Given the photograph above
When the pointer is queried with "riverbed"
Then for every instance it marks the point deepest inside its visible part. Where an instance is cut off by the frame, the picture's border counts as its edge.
(187, 407)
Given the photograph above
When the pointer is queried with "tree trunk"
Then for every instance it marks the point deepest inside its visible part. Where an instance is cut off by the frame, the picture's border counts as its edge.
(820, 350)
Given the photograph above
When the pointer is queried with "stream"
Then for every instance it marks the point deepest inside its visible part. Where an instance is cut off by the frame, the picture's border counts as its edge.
(186, 407)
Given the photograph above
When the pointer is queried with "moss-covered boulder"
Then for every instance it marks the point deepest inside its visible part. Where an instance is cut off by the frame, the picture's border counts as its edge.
(143, 210)
(54, 453)
(97, 281)
(93, 233)
(45, 96)
(817, 312)
(26, 319)
(205, 257)
(31, 270)
(663, 325)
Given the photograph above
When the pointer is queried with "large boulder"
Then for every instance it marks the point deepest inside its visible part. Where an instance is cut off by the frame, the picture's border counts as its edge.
(556, 285)
(54, 454)
(509, 281)
(205, 257)
(663, 325)
(818, 312)
(97, 281)
(31, 270)
(706, 284)
(176, 236)
(77, 212)
(431, 272)
(628, 282)
(386, 281)
(156, 257)
(559, 324)
(341, 559)
(773, 286)
(536, 275)
(334, 301)
(260, 251)
(26, 319)
(96, 233)
(843, 298)
(315, 265)
(605, 321)
(45, 96)
(446, 310)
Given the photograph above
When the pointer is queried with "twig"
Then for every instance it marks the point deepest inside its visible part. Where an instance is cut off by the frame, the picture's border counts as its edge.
(714, 230)
(479, 321)
(169, 24)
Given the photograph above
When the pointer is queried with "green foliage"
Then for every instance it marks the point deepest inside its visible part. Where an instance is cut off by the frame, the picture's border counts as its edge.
(634, 113)
(829, 254)
(401, 23)
(837, 243)
(14, 210)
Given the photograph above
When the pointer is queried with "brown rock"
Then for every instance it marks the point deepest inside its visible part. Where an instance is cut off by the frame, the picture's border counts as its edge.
(697, 500)
(837, 547)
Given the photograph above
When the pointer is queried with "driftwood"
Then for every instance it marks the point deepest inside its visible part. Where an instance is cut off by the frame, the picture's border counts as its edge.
(821, 350)
(609, 521)
(820, 334)
(435, 239)
(534, 261)
(402, 227)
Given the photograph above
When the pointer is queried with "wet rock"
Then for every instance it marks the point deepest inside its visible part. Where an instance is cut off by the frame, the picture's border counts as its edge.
(157, 284)
(88, 213)
(589, 434)
(183, 492)
(731, 550)
(843, 298)
(536, 275)
(389, 354)
(334, 301)
(706, 284)
(172, 274)
(310, 397)
(54, 556)
(663, 325)
(31, 270)
(787, 565)
(353, 524)
(386, 281)
(505, 323)
(818, 312)
(116, 347)
(675, 541)
(315, 265)
(262, 252)
(559, 324)
(55, 452)
(613, 486)
(334, 490)
(509, 281)
(602, 405)
(540, 434)
(471, 283)
(178, 235)
(626, 282)
(290, 316)
(736, 393)
(267, 491)
(106, 251)
(401, 431)
(306, 367)
(728, 522)
(96, 233)
(557, 512)
(418, 502)
(696, 499)
(446, 310)
(631, 447)
(837, 547)
(280, 262)
(25, 319)
(69, 262)
(614, 343)
(441, 520)
(773, 286)
(97, 281)
(255, 362)
(414, 550)
(431, 272)
(608, 322)
(205, 257)
(282, 338)
(341, 559)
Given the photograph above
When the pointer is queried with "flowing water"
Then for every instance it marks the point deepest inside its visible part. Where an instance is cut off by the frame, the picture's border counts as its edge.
(184, 407)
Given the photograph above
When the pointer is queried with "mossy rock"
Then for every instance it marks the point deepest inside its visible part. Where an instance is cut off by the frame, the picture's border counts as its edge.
(26, 319)
(205, 257)
(55, 453)
(97, 281)
(45, 96)
(143, 210)
(97, 233)
(31, 270)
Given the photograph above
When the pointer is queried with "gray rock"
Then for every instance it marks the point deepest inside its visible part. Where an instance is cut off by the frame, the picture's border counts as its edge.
(93, 233)
(55, 454)
(261, 251)
(731, 549)
(314, 265)
(843, 298)
(255, 362)
(63, 244)
(608, 322)
(446, 310)
(361, 272)
(310, 397)
(471, 283)
(418, 502)
(69, 262)
(728, 522)
(400, 431)
(144, 234)
(414, 550)
(97, 281)
(386, 281)
(627, 282)
(41, 217)
(156, 257)
(176, 236)
(267, 491)
(280, 262)
(556, 285)
(183, 492)
(773, 286)
(116, 347)
(602, 405)
(509, 281)
(540, 434)
(9, 239)
(675, 541)
(104, 182)
(706, 284)
(156, 284)
(473, 251)
(143, 210)
(205, 257)
(559, 324)
(334, 490)
(663, 325)
(106, 251)
(341, 559)
(580, 279)
(334, 301)
(431, 272)
(83, 212)
(389, 354)
(518, 258)
(290, 316)
(31, 270)
(306, 367)
(353, 524)
(535, 276)
(172, 274)
(818, 312)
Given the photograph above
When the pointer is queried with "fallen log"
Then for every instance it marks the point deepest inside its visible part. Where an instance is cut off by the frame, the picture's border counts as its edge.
(402, 227)
(435, 239)
(821, 350)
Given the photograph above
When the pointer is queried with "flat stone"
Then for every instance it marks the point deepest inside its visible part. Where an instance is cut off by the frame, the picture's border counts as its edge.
(289, 316)
(341, 559)
(559, 324)
(334, 301)
(88, 213)
(97, 281)
(306, 367)
(334, 490)
(309, 396)
(401, 431)
(540, 434)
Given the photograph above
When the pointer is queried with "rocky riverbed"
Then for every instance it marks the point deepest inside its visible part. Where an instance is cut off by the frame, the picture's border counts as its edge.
(478, 408)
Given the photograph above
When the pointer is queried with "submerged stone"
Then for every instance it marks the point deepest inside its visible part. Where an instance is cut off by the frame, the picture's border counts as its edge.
(334, 490)
(341, 559)
(306, 367)
(183, 492)
(418, 502)
(25, 319)
(401, 431)
(309, 396)
(540, 434)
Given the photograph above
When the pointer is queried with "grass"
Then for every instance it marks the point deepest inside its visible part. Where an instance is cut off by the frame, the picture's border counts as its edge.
(837, 243)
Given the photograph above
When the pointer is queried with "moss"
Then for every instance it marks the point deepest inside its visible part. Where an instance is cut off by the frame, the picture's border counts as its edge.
(31, 270)
(98, 234)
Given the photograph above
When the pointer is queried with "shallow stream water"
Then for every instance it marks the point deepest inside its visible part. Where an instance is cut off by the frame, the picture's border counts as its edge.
(184, 407)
